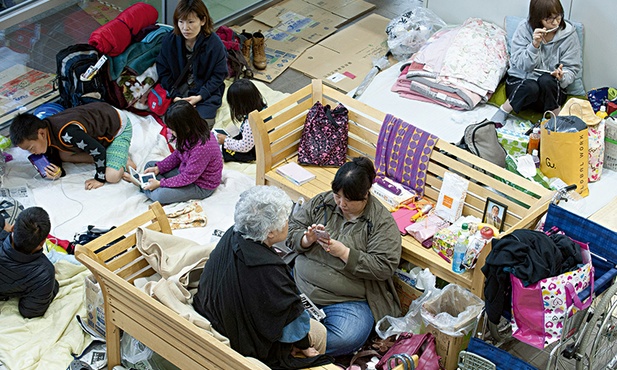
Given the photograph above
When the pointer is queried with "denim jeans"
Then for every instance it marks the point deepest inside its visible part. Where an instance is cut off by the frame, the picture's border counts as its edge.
(174, 195)
(349, 325)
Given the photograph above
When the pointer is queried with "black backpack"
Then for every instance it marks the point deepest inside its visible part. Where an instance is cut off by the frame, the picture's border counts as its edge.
(481, 139)
(71, 62)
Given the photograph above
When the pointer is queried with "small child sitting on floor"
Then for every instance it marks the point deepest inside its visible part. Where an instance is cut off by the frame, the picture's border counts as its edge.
(25, 272)
(243, 97)
(195, 168)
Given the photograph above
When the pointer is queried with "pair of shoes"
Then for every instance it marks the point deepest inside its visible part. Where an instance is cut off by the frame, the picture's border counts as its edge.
(256, 43)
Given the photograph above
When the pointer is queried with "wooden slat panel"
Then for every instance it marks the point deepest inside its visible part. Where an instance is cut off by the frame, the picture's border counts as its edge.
(361, 147)
(124, 259)
(285, 116)
(279, 158)
(285, 129)
(133, 269)
(364, 122)
(285, 142)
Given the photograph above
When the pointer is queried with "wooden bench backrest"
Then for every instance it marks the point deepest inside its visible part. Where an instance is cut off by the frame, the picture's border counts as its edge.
(277, 139)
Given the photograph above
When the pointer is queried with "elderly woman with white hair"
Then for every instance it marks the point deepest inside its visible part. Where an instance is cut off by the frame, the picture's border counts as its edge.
(248, 293)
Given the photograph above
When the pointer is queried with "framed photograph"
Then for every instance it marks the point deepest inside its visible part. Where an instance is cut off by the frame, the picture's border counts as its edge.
(494, 213)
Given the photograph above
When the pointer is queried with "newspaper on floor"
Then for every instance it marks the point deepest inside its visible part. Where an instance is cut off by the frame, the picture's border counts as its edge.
(22, 194)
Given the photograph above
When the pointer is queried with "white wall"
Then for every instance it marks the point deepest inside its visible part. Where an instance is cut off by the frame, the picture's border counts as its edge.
(597, 16)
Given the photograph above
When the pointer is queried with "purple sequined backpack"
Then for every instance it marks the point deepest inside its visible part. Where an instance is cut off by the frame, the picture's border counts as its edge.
(324, 138)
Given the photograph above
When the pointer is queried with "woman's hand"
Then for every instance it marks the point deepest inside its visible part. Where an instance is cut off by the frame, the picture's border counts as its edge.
(152, 184)
(221, 138)
(53, 172)
(93, 184)
(155, 170)
(558, 72)
(193, 99)
(335, 248)
(538, 37)
(310, 236)
(309, 352)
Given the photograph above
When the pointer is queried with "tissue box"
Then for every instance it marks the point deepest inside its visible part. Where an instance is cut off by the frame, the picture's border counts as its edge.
(389, 199)
(514, 142)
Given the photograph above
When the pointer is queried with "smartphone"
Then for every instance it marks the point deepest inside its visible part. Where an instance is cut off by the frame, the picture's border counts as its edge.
(40, 162)
(322, 234)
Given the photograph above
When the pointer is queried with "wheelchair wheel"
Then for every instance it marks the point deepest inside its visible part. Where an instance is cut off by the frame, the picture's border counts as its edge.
(598, 348)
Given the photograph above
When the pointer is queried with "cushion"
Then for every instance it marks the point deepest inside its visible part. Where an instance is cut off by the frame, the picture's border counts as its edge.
(576, 87)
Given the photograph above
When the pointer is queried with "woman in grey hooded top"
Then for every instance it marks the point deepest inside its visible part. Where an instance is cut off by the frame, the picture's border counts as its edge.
(545, 58)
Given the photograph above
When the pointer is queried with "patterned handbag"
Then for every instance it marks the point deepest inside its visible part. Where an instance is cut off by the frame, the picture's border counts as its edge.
(539, 309)
(324, 138)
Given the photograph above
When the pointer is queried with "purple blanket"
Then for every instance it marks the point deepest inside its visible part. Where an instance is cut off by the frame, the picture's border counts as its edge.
(403, 153)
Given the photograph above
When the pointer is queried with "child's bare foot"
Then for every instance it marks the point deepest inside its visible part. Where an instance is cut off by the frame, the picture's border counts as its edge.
(309, 352)
(126, 176)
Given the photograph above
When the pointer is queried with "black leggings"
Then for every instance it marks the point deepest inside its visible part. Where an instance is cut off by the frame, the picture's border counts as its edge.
(540, 95)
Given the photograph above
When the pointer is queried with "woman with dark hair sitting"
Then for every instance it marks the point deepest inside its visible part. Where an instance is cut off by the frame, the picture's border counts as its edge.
(347, 270)
(247, 292)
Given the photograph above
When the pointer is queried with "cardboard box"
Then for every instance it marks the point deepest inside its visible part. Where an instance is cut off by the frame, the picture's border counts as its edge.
(348, 9)
(406, 293)
(301, 19)
(448, 347)
(95, 308)
(345, 58)
(281, 49)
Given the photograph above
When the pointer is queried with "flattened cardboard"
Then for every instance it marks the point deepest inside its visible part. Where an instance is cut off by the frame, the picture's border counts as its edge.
(281, 49)
(348, 9)
(301, 19)
(345, 58)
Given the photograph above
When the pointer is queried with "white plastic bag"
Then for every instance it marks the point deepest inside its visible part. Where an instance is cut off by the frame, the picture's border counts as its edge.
(412, 321)
(453, 311)
(409, 31)
(133, 351)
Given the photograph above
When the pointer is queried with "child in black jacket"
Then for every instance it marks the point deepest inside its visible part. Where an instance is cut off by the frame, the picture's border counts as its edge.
(25, 272)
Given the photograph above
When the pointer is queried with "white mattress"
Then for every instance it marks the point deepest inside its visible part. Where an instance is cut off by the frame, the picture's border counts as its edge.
(450, 124)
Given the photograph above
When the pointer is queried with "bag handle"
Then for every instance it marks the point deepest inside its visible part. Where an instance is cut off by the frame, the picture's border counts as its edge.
(184, 70)
(553, 116)
(329, 111)
(576, 301)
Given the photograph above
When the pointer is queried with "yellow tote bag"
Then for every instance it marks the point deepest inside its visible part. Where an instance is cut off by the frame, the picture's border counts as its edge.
(565, 154)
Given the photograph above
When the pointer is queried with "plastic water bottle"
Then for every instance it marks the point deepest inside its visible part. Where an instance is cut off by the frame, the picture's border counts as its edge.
(602, 112)
(460, 248)
(536, 158)
(534, 140)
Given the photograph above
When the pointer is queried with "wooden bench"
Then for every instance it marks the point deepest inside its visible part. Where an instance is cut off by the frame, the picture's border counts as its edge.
(276, 143)
(129, 309)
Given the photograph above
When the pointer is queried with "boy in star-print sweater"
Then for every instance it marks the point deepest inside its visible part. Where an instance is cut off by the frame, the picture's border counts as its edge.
(93, 133)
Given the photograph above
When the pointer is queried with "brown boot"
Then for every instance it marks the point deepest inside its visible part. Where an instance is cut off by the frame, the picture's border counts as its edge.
(246, 46)
(259, 51)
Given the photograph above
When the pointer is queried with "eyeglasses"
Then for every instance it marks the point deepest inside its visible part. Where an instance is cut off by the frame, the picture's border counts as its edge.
(553, 18)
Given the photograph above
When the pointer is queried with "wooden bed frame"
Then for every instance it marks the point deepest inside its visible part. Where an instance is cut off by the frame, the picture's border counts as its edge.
(276, 143)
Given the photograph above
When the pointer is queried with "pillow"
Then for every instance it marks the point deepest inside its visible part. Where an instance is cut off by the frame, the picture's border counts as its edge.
(576, 87)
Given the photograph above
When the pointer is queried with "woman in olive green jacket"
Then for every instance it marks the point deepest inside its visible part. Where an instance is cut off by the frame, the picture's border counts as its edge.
(348, 247)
